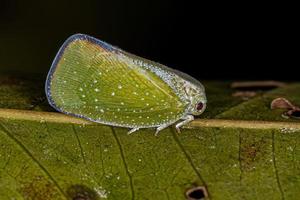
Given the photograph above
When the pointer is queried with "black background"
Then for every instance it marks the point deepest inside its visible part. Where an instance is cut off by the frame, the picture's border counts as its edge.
(207, 41)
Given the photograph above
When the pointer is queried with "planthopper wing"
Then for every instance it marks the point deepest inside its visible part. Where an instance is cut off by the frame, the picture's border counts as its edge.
(96, 81)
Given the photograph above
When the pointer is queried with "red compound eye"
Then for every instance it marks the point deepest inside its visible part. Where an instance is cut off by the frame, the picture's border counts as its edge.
(199, 106)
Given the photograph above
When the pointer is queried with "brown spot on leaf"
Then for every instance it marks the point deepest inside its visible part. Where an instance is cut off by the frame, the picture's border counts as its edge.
(196, 193)
(252, 150)
(40, 189)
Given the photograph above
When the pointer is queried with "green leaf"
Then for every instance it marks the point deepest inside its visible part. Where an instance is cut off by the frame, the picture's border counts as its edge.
(240, 150)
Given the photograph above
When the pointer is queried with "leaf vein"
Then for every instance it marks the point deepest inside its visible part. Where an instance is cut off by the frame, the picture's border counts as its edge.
(125, 163)
(189, 159)
(240, 158)
(275, 166)
(79, 144)
(33, 159)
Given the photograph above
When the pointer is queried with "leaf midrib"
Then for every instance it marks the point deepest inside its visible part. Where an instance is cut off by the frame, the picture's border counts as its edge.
(15, 114)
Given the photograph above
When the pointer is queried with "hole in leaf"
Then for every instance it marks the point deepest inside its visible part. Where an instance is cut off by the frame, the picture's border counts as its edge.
(196, 193)
(81, 192)
(79, 197)
(295, 114)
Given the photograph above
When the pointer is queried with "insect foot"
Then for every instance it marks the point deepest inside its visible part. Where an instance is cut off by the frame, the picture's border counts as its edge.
(187, 119)
(132, 131)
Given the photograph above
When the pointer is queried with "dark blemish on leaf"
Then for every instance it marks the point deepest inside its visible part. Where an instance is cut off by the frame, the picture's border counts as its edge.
(81, 192)
(196, 193)
(256, 85)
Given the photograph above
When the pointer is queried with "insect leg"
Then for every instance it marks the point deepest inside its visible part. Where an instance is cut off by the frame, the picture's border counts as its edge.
(187, 119)
(132, 130)
(161, 128)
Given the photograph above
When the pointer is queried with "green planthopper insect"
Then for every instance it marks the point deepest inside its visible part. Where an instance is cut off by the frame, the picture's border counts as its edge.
(102, 83)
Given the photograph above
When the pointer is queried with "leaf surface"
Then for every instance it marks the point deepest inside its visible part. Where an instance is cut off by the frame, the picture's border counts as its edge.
(240, 150)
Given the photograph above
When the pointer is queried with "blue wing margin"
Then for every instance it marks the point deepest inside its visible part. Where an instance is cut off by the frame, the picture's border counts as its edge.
(58, 56)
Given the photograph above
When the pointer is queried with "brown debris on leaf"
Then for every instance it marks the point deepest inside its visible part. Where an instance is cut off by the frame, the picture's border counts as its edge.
(283, 103)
